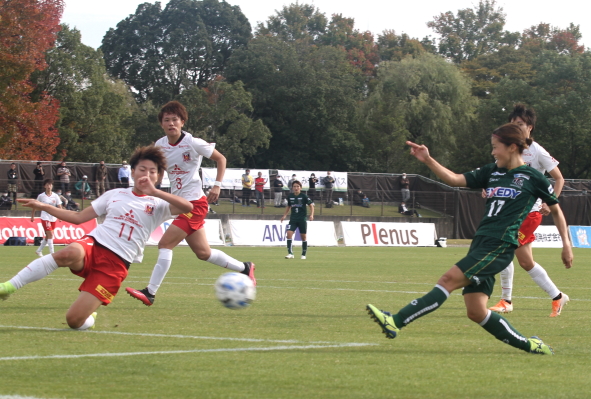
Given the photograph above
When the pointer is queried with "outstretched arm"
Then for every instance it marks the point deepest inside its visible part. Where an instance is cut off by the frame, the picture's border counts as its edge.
(421, 152)
(560, 222)
(69, 216)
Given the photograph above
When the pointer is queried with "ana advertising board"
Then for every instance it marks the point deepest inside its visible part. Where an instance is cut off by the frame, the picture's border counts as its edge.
(389, 234)
(64, 232)
(273, 233)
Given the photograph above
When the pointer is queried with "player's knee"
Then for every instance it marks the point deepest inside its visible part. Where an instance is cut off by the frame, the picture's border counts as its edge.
(202, 254)
(75, 320)
(476, 315)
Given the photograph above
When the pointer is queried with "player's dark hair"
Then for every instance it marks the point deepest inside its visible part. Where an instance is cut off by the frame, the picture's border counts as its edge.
(173, 107)
(151, 153)
(528, 115)
(512, 133)
(47, 181)
(296, 182)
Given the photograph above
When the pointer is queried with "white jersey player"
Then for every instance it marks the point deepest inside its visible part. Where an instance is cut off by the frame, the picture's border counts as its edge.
(538, 158)
(102, 258)
(184, 154)
(47, 221)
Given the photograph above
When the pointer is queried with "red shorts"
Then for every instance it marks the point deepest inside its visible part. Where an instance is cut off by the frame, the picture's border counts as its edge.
(528, 227)
(194, 220)
(47, 225)
(103, 270)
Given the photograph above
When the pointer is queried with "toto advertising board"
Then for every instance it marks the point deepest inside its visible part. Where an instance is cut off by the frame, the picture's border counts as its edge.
(389, 234)
(64, 232)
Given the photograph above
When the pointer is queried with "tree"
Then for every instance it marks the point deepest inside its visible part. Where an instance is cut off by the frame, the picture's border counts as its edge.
(295, 23)
(393, 47)
(94, 107)
(161, 53)
(472, 32)
(27, 30)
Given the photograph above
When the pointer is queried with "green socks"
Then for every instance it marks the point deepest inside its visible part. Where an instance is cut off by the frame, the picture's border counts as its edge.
(304, 247)
(422, 306)
(498, 326)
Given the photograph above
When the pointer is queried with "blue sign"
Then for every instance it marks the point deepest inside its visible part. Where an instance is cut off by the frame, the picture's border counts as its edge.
(581, 236)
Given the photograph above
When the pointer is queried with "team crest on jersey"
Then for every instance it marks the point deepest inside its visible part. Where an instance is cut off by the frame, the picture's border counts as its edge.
(149, 209)
(517, 182)
(187, 156)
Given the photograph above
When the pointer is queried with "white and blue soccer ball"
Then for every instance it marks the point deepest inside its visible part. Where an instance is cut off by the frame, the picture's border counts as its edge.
(235, 290)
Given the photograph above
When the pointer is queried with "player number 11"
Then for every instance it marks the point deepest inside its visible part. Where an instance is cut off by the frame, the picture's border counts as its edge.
(130, 231)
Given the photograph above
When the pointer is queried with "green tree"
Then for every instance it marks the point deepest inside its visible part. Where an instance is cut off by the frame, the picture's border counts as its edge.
(295, 23)
(161, 53)
(94, 108)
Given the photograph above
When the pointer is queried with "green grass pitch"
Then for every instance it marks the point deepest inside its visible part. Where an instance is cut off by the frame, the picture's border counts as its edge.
(306, 336)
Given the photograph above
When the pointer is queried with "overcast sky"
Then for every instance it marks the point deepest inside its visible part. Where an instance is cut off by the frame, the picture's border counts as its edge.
(94, 18)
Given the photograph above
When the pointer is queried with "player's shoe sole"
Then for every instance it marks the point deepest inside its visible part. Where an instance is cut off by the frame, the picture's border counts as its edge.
(289, 256)
(502, 307)
(303, 257)
(558, 304)
(142, 295)
(251, 267)
(538, 347)
(385, 320)
(6, 289)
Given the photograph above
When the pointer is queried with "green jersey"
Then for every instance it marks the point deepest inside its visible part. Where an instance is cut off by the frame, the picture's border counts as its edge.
(510, 196)
(298, 205)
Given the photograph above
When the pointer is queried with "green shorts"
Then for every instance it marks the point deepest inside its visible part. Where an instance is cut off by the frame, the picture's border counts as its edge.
(302, 224)
(487, 257)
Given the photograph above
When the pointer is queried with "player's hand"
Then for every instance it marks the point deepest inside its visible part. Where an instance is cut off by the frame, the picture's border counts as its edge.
(311, 218)
(567, 256)
(282, 217)
(420, 152)
(545, 210)
(145, 185)
(214, 194)
(32, 219)
(484, 194)
(30, 203)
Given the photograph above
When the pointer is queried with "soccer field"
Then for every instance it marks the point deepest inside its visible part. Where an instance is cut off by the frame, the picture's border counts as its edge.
(306, 336)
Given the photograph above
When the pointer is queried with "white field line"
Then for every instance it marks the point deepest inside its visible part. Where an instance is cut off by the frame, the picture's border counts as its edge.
(253, 349)
(286, 341)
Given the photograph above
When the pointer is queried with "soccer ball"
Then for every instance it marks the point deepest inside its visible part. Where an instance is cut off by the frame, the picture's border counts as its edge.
(235, 290)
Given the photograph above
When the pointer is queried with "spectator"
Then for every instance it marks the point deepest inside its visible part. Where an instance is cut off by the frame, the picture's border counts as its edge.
(5, 202)
(278, 187)
(101, 178)
(247, 181)
(290, 182)
(71, 204)
(362, 199)
(312, 186)
(83, 188)
(124, 175)
(259, 186)
(328, 186)
(404, 187)
(62, 198)
(64, 174)
(39, 173)
(12, 175)
(405, 211)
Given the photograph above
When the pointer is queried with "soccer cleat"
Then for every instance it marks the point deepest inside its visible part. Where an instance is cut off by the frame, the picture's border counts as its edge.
(502, 307)
(538, 347)
(39, 254)
(142, 295)
(94, 316)
(289, 256)
(385, 320)
(558, 304)
(6, 289)
(249, 271)
(303, 257)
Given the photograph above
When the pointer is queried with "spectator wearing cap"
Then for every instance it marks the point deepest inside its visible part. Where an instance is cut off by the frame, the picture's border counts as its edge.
(83, 188)
(64, 174)
(124, 175)
(404, 187)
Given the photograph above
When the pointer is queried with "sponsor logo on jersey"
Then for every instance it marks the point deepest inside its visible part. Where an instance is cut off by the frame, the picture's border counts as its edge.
(186, 156)
(502, 192)
(551, 189)
(177, 171)
(104, 293)
(521, 176)
(517, 182)
(491, 179)
(149, 210)
(497, 174)
(128, 217)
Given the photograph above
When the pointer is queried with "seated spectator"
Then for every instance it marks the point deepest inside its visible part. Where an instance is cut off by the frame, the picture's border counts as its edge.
(62, 198)
(71, 205)
(5, 202)
(236, 200)
(405, 211)
(362, 199)
(83, 188)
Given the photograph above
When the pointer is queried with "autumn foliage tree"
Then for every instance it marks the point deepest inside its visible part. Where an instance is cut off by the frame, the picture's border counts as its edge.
(27, 30)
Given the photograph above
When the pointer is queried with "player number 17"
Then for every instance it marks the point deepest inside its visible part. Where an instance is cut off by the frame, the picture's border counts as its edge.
(498, 204)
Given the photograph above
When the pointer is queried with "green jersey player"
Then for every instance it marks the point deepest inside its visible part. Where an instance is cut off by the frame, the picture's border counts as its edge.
(297, 203)
(511, 189)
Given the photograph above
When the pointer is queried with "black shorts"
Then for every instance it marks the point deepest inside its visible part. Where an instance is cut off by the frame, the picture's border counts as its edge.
(302, 224)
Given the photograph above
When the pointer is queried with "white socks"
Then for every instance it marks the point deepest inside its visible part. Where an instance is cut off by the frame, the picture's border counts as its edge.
(507, 282)
(36, 270)
(221, 259)
(539, 275)
(43, 243)
(87, 324)
(160, 270)
(50, 245)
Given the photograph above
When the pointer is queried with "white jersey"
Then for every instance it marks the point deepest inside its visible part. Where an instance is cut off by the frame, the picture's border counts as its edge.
(130, 219)
(538, 158)
(184, 161)
(53, 200)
